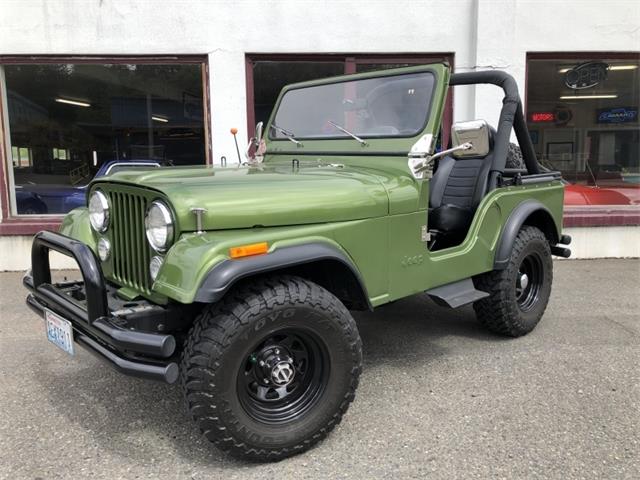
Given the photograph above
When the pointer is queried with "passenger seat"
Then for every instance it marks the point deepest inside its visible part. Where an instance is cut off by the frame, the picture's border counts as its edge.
(456, 189)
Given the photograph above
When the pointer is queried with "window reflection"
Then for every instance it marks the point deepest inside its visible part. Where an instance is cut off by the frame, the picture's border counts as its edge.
(583, 119)
(67, 120)
(390, 106)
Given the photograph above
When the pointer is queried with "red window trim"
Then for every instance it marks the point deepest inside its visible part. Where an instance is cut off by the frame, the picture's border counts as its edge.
(29, 225)
(573, 217)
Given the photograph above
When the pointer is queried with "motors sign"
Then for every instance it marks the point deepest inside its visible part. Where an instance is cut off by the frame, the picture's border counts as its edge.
(586, 75)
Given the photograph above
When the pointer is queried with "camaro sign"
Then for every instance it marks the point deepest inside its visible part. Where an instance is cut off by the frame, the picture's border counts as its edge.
(617, 115)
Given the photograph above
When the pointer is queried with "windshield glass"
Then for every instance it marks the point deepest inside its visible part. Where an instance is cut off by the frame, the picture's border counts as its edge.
(390, 106)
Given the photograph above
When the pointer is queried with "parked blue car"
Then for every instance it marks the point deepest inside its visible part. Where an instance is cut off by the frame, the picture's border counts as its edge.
(33, 199)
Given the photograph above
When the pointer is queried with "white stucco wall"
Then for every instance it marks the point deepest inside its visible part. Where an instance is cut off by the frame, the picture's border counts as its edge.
(482, 34)
(227, 30)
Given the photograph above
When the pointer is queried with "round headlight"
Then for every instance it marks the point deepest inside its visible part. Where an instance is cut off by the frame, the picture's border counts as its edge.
(99, 211)
(159, 226)
(154, 267)
(104, 249)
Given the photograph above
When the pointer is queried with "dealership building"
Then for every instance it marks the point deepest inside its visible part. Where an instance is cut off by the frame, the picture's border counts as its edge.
(83, 83)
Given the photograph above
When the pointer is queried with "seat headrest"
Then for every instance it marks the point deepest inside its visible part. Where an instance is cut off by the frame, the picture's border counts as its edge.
(492, 136)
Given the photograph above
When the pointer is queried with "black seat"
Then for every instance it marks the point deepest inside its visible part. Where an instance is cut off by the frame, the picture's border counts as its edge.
(456, 189)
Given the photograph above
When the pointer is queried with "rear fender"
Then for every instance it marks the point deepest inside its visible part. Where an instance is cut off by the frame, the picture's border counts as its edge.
(529, 212)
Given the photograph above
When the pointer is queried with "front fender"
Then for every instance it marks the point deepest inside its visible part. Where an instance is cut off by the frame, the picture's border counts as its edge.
(222, 277)
(75, 224)
(198, 267)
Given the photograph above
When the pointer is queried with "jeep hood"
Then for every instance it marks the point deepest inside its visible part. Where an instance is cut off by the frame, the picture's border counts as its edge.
(264, 195)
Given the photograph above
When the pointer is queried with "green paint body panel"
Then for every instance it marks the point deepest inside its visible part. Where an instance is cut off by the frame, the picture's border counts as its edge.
(363, 201)
(76, 225)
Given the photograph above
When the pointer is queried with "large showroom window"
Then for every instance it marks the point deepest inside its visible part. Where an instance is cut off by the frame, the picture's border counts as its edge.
(582, 112)
(267, 74)
(63, 119)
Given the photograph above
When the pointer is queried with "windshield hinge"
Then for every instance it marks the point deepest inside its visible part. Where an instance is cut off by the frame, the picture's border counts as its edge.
(418, 157)
(425, 235)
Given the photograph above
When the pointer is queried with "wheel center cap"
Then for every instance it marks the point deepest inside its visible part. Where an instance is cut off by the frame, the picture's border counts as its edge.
(282, 373)
(524, 281)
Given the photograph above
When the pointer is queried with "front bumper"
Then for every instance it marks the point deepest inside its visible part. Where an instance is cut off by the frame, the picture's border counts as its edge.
(85, 304)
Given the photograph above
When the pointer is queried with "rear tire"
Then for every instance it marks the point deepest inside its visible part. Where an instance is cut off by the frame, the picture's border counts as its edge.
(269, 371)
(518, 294)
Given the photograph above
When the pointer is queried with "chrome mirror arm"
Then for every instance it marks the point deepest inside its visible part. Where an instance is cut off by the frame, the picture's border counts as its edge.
(443, 153)
(419, 164)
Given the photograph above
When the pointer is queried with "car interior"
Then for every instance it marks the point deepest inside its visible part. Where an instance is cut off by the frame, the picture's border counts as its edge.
(458, 185)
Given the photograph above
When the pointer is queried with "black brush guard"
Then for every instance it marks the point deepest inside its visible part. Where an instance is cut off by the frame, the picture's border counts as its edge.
(135, 353)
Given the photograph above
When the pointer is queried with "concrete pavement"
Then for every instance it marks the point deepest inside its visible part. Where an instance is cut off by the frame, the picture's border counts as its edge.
(439, 398)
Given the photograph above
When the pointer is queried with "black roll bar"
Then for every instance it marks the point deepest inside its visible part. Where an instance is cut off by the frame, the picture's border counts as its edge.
(511, 116)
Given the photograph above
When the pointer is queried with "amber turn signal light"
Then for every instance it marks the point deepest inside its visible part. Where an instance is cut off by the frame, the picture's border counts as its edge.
(249, 250)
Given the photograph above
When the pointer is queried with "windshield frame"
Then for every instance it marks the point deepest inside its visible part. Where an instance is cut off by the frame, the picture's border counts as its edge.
(396, 72)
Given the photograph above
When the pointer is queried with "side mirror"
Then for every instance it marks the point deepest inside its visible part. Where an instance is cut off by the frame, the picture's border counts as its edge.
(476, 133)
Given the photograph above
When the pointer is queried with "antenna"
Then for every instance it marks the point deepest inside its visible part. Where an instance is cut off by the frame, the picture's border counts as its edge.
(234, 131)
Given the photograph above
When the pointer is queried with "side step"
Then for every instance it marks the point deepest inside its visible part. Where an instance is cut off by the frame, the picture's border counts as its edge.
(456, 294)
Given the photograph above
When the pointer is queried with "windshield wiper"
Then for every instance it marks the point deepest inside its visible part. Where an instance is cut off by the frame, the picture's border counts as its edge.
(286, 133)
(342, 129)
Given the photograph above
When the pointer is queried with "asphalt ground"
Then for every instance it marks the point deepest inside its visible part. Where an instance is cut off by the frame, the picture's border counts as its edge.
(439, 398)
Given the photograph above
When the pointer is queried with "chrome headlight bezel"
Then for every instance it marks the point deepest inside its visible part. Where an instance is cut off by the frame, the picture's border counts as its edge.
(159, 213)
(99, 205)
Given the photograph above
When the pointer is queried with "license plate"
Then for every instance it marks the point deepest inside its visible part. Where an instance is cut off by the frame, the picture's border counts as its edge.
(59, 331)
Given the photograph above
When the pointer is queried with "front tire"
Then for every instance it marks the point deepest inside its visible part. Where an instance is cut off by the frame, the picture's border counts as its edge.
(269, 371)
(518, 294)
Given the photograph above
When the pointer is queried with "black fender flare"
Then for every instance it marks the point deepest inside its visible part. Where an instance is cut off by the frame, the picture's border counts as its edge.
(226, 273)
(514, 223)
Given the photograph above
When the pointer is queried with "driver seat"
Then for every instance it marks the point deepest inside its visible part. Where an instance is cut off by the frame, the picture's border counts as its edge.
(456, 189)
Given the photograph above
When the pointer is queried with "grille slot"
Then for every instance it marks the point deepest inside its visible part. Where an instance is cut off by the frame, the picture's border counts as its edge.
(130, 249)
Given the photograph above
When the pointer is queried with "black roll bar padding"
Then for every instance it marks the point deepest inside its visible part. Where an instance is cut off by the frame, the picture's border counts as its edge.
(97, 306)
(511, 116)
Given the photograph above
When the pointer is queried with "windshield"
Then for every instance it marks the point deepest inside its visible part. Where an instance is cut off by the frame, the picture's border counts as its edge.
(390, 106)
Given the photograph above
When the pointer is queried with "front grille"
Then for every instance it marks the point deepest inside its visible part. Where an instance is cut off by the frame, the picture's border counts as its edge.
(130, 250)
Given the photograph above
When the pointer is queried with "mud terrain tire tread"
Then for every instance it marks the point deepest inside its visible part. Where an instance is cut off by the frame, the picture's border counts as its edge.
(220, 324)
(514, 157)
(499, 312)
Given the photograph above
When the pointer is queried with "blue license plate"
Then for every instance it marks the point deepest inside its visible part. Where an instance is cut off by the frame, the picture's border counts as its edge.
(59, 331)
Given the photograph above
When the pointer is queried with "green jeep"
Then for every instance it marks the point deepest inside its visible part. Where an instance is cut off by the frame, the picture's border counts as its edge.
(238, 281)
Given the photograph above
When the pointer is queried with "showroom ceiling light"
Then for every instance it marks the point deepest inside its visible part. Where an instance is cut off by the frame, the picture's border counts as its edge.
(611, 68)
(68, 101)
(586, 97)
(623, 67)
(157, 118)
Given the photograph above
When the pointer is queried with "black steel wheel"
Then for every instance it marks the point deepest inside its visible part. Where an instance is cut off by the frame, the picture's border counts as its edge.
(519, 293)
(529, 281)
(283, 376)
(269, 371)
